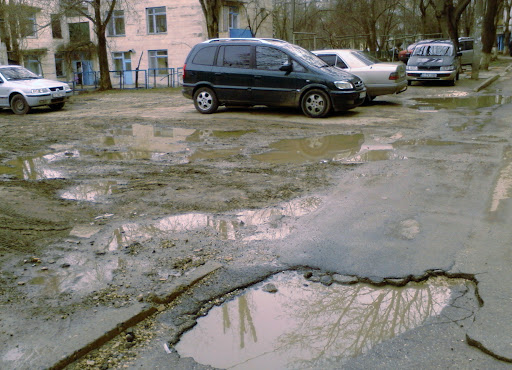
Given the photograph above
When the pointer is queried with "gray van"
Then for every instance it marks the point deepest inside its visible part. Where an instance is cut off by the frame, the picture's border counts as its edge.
(435, 60)
(248, 72)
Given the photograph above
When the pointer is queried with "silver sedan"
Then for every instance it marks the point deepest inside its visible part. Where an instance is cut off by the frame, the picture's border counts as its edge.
(380, 78)
(20, 90)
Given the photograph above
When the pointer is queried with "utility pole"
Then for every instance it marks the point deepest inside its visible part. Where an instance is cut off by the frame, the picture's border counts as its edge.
(293, 21)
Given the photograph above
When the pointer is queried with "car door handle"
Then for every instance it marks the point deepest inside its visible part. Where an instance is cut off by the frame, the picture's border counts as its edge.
(218, 73)
(257, 76)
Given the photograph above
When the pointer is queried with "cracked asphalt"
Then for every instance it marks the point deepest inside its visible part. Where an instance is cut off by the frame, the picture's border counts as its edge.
(111, 206)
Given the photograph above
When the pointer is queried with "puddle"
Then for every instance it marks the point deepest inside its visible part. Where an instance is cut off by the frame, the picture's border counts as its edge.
(264, 224)
(85, 276)
(503, 185)
(473, 102)
(203, 135)
(92, 192)
(308, 325)
(37, 167)
(314, 149)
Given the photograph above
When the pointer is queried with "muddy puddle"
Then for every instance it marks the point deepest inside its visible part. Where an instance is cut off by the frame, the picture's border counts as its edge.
(460, 102)
(270, 223)
(309, 325)
(329, 148)
(38, 167)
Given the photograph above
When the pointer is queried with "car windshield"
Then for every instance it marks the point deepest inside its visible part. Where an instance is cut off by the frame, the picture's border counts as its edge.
(17, 73)
(433, 50)
(357, 59)
(307, 55)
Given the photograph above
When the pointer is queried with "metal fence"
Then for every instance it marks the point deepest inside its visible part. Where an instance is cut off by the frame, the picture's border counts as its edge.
(131, 79)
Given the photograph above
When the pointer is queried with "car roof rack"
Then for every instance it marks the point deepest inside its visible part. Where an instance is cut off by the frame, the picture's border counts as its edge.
(244, 39)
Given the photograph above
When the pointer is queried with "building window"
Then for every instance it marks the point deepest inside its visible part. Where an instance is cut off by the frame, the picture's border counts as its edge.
(56, 27)
(116, 24)
(28, 25)
(122, 61)
(157, 20)
(59, 65)
(230, 18)
(158, 61)
(32, 63)
(79, 32)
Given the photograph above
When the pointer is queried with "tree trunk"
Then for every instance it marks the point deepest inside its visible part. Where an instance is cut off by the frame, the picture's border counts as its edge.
(477, 37)
(105, 82)
(211, 14)
(488, 32)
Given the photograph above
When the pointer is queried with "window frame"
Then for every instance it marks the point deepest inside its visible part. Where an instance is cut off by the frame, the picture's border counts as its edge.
(153, 60)
(152, 16)
(117, 15)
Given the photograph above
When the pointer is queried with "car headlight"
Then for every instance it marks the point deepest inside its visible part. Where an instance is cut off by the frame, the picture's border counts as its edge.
(343, 85)
(40, 91)
(447, 68)
(412, 68)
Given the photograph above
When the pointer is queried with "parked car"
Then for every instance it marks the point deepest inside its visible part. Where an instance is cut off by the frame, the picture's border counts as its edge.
(267, 72)
(434, 61)
(21, 89)
(380, 78)
(466, 49)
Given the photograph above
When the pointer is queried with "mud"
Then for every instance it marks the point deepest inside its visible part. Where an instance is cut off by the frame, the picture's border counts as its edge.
(119, 193)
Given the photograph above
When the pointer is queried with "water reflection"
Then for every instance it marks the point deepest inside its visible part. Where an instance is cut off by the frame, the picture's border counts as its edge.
(91, 192)
(313, 149)
(302, 327)
(474, 102)
(85, 276)
(503, 183)
(38, 167)
(264, 224)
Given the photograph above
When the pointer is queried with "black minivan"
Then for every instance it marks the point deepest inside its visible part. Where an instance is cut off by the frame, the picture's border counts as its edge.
(247, 72)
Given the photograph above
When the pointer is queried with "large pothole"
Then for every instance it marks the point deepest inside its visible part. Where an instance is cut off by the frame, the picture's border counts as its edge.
(289, 322)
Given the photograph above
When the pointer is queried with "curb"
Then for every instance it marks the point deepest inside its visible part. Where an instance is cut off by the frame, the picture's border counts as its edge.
(491, 79)
(139, 312)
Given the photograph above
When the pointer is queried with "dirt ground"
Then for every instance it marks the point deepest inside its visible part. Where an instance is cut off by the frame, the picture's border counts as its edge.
(103, 201)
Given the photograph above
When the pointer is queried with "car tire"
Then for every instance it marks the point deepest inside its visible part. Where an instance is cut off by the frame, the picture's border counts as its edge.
(409, 83)
(452, 82)
(205, 100)
(19, 105)
(316, 103)
(56, 107)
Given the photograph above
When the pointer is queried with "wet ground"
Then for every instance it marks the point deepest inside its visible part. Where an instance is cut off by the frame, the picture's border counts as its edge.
(121, 193)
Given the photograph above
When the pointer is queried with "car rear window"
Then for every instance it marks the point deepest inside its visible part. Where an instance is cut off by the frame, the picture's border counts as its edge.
(205, 56)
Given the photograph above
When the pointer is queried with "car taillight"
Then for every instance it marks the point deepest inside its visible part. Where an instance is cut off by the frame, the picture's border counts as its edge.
(393, 76)
(184, 70)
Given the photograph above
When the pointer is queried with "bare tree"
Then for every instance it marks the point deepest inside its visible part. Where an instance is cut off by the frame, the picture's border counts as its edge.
(449, 12)
(489, 31)
(507, 7)
(256, 15)
(101, 14)
(211, 10)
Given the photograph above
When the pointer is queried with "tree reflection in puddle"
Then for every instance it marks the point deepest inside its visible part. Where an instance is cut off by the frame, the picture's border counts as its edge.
(310, 325)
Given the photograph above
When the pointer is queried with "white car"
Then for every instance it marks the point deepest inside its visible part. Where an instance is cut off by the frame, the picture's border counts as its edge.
(20, 90)
(380, 78)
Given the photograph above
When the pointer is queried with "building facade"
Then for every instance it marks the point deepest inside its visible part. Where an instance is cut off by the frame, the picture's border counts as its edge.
(145, 40)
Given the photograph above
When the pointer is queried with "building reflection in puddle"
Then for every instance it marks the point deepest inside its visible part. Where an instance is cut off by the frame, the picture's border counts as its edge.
(306, 326)
(86, 276)
(90, 192)
(38, 167)
(263, 224)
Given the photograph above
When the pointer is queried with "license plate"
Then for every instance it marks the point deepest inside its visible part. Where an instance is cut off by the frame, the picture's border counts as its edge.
(58, 94)
(362, 95)
(428, 75)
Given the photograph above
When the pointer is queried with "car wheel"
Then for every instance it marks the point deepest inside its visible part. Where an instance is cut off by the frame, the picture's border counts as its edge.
(205, 100)
(57, 106)
(316, 104)
(409, 83)
(19, 105)
(452, 82)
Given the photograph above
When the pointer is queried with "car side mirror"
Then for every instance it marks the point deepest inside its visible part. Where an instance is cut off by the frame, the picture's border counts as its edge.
(288, 67)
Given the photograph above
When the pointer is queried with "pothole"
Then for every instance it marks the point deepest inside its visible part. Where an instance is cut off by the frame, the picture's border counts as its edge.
(288, 322)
